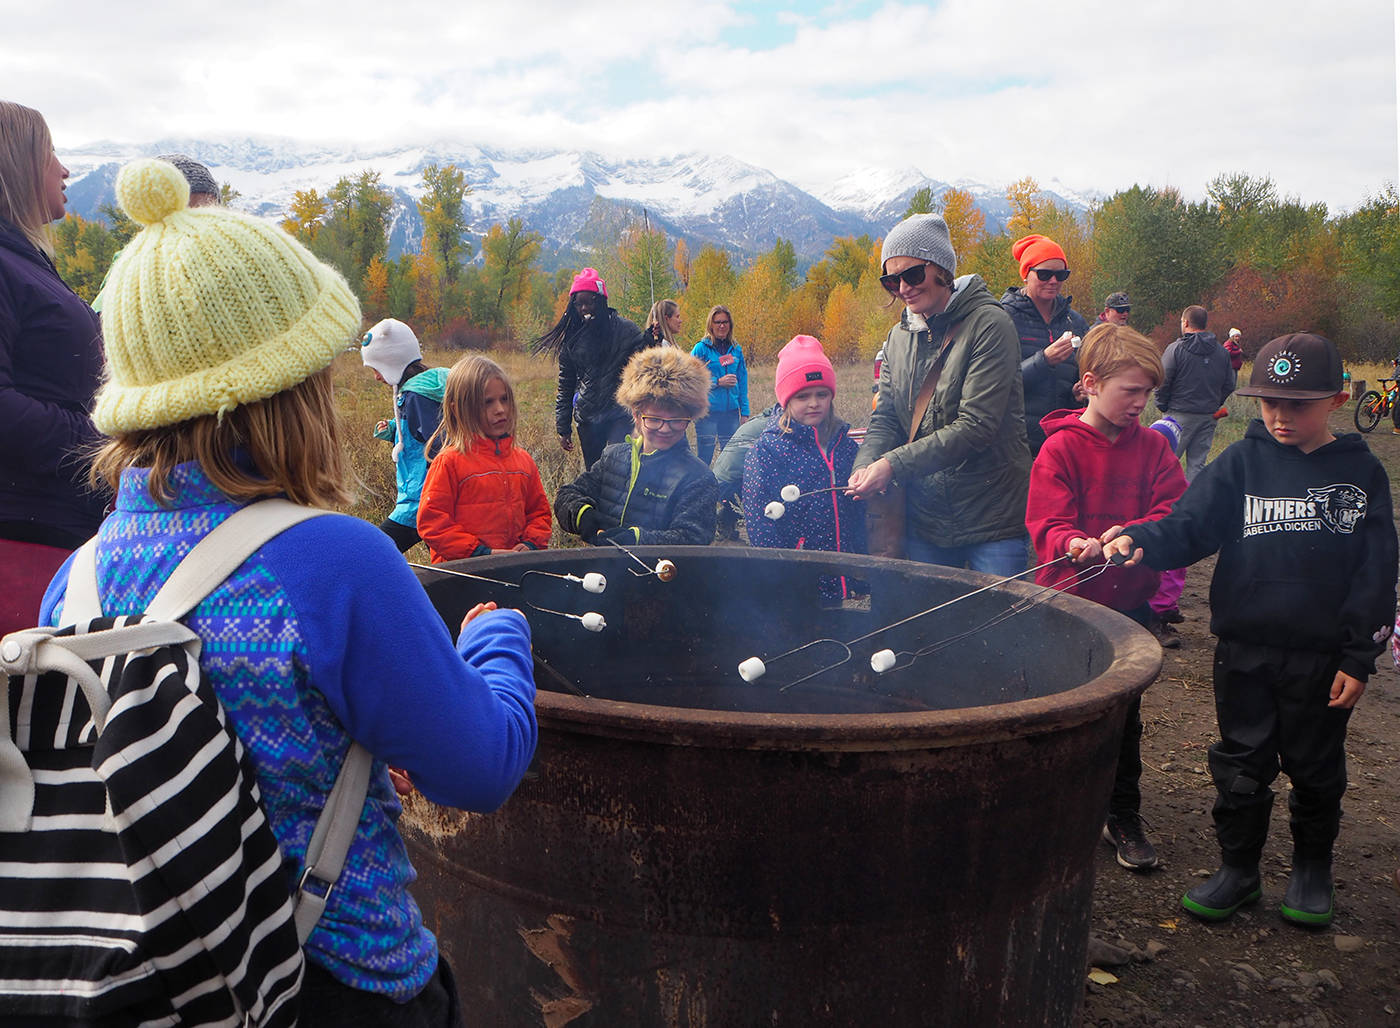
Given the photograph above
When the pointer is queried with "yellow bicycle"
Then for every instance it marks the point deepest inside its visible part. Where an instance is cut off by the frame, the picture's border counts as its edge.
(1373, 405)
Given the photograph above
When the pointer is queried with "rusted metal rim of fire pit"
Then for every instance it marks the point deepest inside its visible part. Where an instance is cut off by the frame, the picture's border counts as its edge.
(1136, 660)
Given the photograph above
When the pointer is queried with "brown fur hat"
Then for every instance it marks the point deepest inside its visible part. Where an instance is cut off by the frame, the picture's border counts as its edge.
(665, 374)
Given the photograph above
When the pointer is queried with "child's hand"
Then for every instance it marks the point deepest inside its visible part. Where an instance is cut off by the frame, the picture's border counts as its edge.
(477, 611)
(1085, 551)
(728, 381)
(519, 548)
(381, 426)
(1346, 691)
(1122, 547)
(403, 785)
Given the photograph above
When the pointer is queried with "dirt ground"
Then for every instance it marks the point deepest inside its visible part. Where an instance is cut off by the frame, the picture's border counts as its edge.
(1255, 969)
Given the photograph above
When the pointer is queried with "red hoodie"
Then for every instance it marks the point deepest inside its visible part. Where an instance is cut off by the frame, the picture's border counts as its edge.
(1082, 483)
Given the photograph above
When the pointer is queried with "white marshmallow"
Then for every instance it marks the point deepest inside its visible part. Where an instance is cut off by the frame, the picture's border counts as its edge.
(593, 621)
(790, 493)
(1075, 341)
(595, 582)
(881, 661)
(751, 669)
(665, 570)
(774, 511)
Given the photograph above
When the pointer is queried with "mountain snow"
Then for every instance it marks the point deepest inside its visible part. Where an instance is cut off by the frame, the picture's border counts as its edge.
(706, 198)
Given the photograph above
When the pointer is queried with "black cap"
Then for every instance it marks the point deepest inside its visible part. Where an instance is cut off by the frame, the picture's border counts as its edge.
(1298, 366)
(1117, 300)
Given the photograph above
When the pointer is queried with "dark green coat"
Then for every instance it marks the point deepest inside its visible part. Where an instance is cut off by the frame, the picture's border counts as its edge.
(968, 469)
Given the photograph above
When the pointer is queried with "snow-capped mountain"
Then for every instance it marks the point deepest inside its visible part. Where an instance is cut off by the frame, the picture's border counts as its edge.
(704, 198)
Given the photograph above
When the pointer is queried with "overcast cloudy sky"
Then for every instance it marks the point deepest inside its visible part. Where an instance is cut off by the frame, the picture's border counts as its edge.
(1098, 94)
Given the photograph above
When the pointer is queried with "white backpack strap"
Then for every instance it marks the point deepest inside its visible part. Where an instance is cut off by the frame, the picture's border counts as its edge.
(330, 842)
(221, 552)
(80, 600)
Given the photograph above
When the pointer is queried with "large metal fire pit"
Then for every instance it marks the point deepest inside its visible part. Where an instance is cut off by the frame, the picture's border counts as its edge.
(690, 850)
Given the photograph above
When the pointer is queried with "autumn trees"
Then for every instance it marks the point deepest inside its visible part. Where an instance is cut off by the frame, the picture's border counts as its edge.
(1264, 262)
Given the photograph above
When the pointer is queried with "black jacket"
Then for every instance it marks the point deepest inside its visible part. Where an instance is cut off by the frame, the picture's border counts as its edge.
(668, 496)
(1307, 546)
(50, 366)
(590, 364)
(1197, 376)
(1047, 386)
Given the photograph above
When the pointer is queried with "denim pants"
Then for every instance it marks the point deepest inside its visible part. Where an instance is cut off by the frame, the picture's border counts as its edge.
(1000, 557)
(714, 427)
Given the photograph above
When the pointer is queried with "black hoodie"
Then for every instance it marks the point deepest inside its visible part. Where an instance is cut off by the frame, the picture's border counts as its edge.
(1306, 540)
(1197, 376)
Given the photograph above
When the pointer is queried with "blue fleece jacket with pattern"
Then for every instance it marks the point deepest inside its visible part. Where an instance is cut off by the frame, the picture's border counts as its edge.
(321, 637)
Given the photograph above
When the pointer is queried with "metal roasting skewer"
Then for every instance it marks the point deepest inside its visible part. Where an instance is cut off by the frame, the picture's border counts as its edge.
(750, 672)
(664, 569)
(593, 582)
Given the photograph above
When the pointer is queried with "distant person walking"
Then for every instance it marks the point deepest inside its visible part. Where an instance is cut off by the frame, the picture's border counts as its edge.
(593, 344)
(1045, 323)
(729, 384)
(50, 367)
(1197, 380)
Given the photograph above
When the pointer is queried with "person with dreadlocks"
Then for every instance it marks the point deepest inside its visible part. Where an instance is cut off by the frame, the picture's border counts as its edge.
(593, 343)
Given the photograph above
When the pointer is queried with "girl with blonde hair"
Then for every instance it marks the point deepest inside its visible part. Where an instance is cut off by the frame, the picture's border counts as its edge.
(483, 492)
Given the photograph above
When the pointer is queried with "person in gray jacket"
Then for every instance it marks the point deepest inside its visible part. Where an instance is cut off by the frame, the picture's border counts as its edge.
(967, 470)
(1197, 379)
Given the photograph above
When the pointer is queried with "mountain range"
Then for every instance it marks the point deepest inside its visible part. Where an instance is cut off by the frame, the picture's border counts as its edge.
(703, 198)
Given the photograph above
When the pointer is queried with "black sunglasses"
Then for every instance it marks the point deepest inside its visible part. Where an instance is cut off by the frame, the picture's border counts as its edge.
(1046, 274)
(911, 277)
(1121, 310)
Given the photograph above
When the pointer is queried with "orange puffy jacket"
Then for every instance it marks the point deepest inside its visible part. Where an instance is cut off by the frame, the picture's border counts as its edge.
(490, 497)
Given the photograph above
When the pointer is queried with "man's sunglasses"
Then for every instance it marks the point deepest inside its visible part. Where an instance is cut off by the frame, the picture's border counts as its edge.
(1121, 310)
(652, 424)
(1046, 274)
(911, 277)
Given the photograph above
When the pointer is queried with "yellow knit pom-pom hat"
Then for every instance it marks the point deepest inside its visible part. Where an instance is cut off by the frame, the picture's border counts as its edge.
(207, 309)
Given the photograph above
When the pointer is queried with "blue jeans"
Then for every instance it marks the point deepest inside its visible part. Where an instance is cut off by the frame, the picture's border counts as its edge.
(714, 427)
(1001, 557)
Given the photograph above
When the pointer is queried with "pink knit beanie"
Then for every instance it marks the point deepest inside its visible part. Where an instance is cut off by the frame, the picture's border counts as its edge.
(587, 281)
(802, 365)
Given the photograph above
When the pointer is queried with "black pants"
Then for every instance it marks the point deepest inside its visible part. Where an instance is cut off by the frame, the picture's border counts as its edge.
(404, 536)
(594, 435)
(1271, 705)
(1127, 789)
(328, 1003)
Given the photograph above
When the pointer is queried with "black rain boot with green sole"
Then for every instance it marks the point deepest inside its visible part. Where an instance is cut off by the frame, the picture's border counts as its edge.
(1223, 893)
(1308, 900)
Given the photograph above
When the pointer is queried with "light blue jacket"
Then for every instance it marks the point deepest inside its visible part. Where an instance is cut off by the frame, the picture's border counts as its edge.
(417, 411)
(735, 397)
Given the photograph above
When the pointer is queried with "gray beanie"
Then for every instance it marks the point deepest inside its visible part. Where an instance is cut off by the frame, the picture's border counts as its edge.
(924, 236)
(196, 174)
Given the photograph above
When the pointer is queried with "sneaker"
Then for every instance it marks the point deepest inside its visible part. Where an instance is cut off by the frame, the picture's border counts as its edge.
(1124, 832)
(1308, 900)
(1172, 617)
(1164, 633)
(1223, 893)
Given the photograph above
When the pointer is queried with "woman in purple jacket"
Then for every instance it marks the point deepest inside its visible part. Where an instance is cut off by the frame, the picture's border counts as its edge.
(50, 362)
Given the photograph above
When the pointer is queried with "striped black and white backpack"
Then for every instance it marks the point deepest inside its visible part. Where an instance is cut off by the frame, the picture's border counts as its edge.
(140, 882)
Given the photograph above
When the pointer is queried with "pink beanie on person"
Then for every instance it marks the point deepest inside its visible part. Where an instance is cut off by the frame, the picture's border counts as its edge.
(802, 364)
(587, 281)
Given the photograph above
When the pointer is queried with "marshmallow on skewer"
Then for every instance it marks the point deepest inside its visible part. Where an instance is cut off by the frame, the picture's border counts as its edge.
(789, 493)
(665, 570)
(774, 510)
(593, 621)
(751, 669)
(1075, 341)
(595, 582)
(881, 661)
